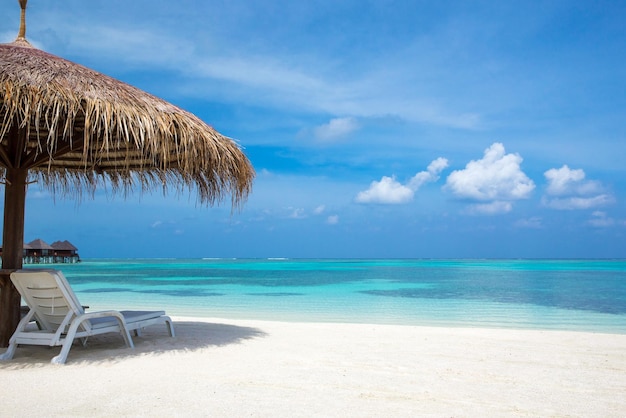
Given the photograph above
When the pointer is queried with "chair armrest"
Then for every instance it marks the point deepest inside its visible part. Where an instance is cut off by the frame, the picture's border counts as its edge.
(100, 314)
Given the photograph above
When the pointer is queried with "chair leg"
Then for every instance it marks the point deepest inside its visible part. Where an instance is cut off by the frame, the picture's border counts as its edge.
(65, 350)
(170, 326)
(8, 355)
(71, 334)
(126, 335)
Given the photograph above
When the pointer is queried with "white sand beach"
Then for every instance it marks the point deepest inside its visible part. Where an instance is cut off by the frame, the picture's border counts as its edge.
(232, 368)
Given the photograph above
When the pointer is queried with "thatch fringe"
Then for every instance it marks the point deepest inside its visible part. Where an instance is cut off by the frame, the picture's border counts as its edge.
(85, 129)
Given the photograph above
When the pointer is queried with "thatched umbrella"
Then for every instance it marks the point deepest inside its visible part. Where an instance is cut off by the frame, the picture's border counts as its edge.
(73, 129)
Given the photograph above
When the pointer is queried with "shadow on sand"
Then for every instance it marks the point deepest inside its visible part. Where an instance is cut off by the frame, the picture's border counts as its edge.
(154, 340)
(204, 334)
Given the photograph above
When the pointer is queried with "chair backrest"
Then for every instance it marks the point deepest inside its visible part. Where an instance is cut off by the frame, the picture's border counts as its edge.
(48, 293)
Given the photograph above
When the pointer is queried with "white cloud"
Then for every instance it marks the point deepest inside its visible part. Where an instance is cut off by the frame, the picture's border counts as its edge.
(491, 208)
(297, 213)
(389, 191)
(496, 179)
(599, 219)
(336, 128)
(563, 180)
(319, 210)
(431, 174)
(577, 202)
(332, 220)
(569, 190)
(156, 224)
(533, 222)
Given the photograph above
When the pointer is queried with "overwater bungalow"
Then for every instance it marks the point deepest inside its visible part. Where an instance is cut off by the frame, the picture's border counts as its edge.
(65, 252)
(40, 252)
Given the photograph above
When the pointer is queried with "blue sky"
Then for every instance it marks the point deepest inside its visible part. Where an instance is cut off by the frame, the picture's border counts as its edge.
(377, 128)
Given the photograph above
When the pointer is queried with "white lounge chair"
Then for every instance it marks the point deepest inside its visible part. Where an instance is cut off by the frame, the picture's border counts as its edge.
(61, 318)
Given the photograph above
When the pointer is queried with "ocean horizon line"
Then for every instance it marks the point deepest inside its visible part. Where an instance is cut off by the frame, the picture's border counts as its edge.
(363, 258)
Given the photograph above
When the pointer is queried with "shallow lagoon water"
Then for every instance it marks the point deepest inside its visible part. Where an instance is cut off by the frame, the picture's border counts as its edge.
(585, 295)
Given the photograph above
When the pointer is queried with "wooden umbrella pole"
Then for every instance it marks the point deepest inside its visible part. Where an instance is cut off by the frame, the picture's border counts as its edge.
(12, 251)
(12, 231)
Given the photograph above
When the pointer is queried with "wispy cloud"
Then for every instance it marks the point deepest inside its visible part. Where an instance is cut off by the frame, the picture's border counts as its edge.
(254, 73)
(534, 222)
(297, 213)
(319, 210)
(600, 219)
(336, 128)
(490, 208)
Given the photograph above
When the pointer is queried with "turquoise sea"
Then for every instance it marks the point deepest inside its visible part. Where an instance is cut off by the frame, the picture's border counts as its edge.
(586, 295)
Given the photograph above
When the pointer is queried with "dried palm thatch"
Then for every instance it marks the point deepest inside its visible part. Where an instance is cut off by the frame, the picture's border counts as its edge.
(80, 127)
(72, 129)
